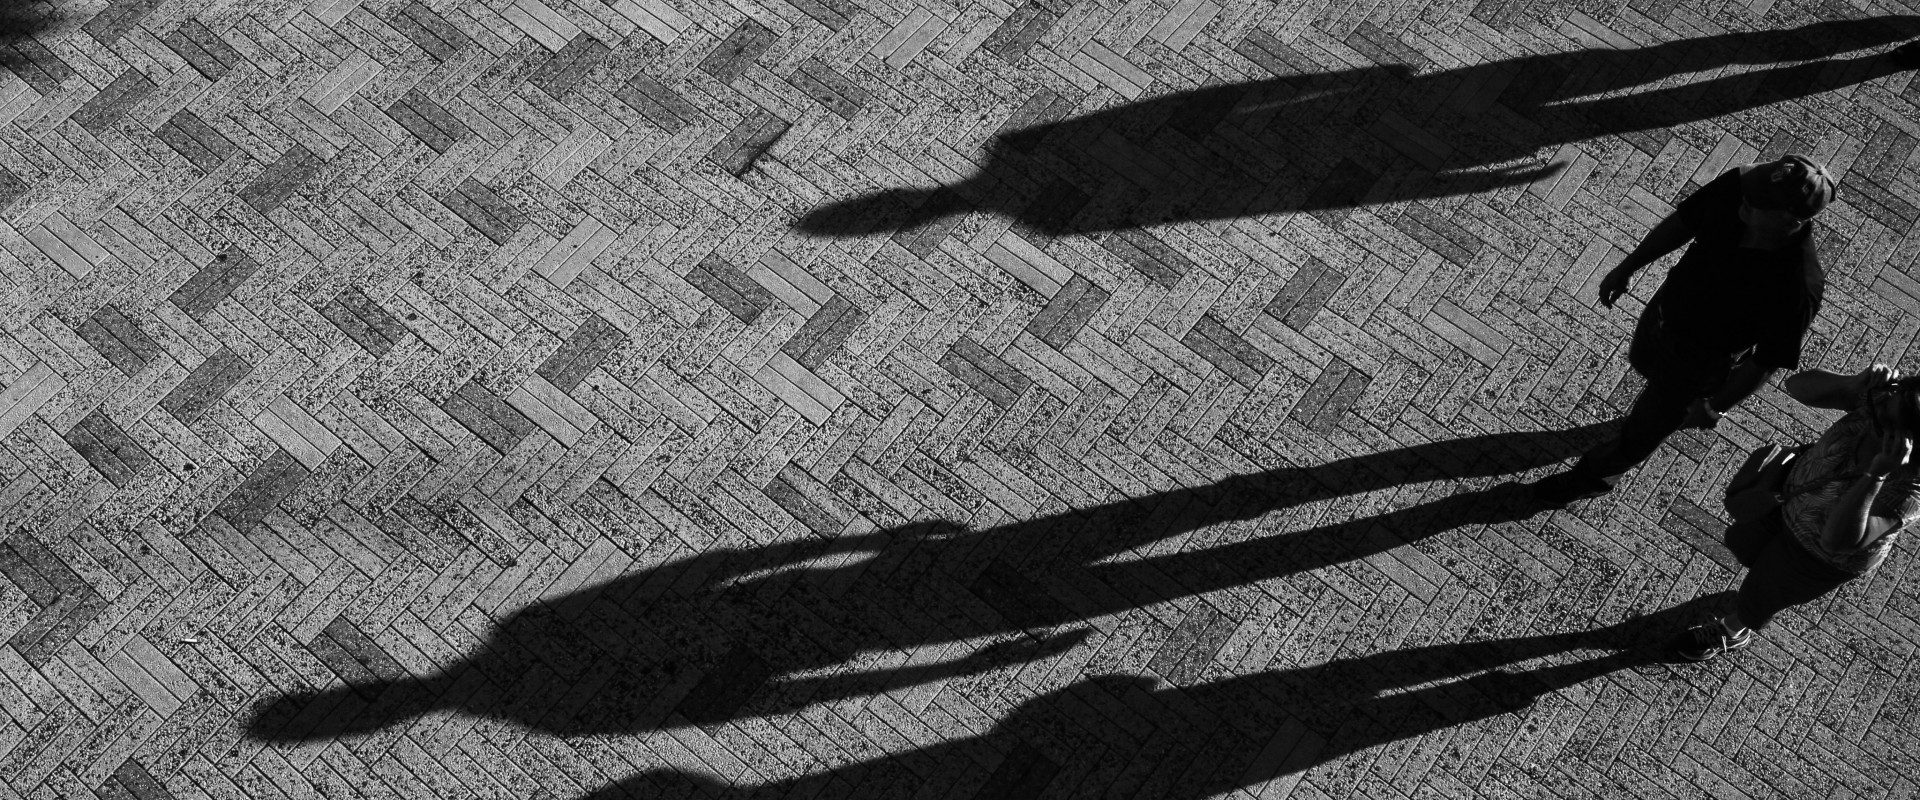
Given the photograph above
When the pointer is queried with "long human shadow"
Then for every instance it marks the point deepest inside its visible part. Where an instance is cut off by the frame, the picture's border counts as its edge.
(734, 633)
(1318, 141)
(1119, 736)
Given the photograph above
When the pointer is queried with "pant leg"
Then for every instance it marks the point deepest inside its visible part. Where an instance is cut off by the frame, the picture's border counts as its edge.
(1749, 539)
(1656, 414)
(1785, 575)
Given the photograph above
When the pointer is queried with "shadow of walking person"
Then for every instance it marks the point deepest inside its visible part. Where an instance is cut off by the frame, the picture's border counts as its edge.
(735, 633)
(1324, 141)
(1120, 736)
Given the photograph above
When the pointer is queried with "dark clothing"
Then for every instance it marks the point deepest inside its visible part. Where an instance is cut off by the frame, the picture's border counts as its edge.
(1780, 573)
(1720, 304)
(1722, 299)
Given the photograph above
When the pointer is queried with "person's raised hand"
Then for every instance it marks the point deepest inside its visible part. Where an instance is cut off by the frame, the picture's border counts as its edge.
(1895, 450)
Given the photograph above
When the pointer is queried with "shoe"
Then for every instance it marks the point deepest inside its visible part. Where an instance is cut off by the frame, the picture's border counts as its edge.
(1560, 489)
(1706, 642)
(1907, 56)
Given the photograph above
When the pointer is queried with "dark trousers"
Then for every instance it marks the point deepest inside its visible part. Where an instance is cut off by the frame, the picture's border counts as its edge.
(1674, 380)
(1780, 573)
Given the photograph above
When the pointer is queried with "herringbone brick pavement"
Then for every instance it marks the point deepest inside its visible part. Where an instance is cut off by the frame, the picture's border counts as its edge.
(905, 398)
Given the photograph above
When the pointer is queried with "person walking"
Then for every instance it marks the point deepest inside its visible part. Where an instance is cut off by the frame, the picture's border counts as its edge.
(1732, 311)
(1847, 498)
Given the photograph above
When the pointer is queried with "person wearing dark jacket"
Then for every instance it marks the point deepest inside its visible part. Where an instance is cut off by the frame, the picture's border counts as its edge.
(1733, 310)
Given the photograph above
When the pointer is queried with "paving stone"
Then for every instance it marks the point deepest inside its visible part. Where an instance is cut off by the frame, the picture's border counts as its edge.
(199, 46)
(196, 141)
(119, 340)
(281, 179)
(206, 385)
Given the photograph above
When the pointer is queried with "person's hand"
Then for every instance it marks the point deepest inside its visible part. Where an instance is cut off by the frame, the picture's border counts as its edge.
(1879, 375)
(1614, 285)
(1895, 450)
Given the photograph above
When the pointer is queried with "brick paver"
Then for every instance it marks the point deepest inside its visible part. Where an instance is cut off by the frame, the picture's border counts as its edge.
(832, 398)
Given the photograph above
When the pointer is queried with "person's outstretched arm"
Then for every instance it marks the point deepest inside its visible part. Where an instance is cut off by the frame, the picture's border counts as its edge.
(1665, 238)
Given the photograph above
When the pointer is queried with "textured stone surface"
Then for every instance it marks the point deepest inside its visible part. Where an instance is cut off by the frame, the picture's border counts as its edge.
(835, 399)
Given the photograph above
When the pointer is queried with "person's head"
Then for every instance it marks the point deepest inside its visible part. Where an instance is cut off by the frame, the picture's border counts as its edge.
(1895, 404)
(1778, 197)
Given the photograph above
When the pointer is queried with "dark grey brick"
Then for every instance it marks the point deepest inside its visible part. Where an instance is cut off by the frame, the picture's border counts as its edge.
(1345, 187)
(205, 385)
(1439, 234)
(1227, 351)
(732, 58)
(427, 120)
(1305, 293)
(500, 425)
(829, 88)
(727, 286)
(834, 14)
(743, 146)
(1331, 394)
(199, 46)
(1068, 312)
(56, 625)
(567, 68)
(589, 345)
(119, 340)
(1275, 56)
(1183, 658)
(492, 216)
(1001, 383)
(1020, 31)
(1700, 529)
(15, 566)
(281, 179)
(112, 102)
(25, 552)
(271, 482)
(34, 63)
(783, 493)
(139, 782)
(117, 18)
(213, 282)
(108, 448)
(431, 32)
(822, 336)
(11, 187)
(196, 141)
(1149, 256)
(660, 105)
(364, 321)
(357, 659)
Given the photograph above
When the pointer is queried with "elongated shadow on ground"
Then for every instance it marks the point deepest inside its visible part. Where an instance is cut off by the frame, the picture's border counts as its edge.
(1309, 140)
(1120, 736)
(738, 633)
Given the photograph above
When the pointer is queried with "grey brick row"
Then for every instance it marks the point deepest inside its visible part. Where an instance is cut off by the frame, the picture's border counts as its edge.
(743, 146)
(590, 344)
(364, 321)
(990, 375)
(489, 417)
(205, 385)
(727, 286)
(829, 88)
(12, 187)
(196, 141)
(486, 211)
(431, 32)
(1068, 311)
(109, 449)
(111, 103)
(1021, 30)
(199, 46)
(567, 68)
(738, 52)
(783, 492)
(213, 283)
(427, 120)
(824, 333)
(281, 179)
(119, 340)
(1227, 351)
(1148, 256)
(271, 482)
(660, 105)
(34, 63)
(1337, 388)
(117, 18)
(1305, 293)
